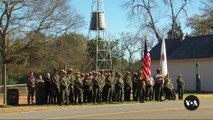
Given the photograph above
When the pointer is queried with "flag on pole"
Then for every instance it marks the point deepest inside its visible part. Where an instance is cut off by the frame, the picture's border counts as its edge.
(146, 72)
(163, 60)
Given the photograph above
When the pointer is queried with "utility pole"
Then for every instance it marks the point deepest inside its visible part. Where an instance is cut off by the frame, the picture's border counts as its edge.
(4, 75)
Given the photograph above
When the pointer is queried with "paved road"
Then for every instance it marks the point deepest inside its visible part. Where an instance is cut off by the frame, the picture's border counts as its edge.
(152, 110)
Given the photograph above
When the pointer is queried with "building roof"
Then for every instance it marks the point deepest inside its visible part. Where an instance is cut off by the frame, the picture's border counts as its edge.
(189, 48)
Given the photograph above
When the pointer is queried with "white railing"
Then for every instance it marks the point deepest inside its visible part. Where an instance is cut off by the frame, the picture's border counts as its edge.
(15, 85)
(21, 87)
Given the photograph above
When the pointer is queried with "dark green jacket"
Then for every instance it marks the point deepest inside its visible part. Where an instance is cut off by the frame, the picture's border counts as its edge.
(141, 83)
(127, 81)
(55, 79)
(119, 83)
(78, 86)
(180, 83)
(168, 83)
(108, 83)
(95, 82)
(70, 78)
(64, 82)
(86, 84)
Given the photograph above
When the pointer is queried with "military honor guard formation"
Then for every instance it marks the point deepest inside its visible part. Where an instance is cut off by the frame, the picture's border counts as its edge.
(69, 88)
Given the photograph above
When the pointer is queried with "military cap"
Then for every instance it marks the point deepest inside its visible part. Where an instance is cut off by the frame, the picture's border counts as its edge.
(158, 69)
(77, 75)
(127, 72)
(63, 71)
(107, 74)
(55, 69)
(82, 74)
(70, 69)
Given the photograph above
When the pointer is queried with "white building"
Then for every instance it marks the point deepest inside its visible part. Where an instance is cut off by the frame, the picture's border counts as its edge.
(182, 55)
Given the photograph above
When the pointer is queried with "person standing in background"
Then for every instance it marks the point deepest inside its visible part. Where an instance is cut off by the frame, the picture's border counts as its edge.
(180, 87)
(48, 88)
(30, 88)
(40, 88)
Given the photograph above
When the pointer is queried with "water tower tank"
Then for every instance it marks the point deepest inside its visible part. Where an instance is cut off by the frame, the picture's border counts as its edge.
(98, 21)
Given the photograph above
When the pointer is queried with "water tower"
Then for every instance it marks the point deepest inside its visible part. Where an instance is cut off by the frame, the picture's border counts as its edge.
(99, 49)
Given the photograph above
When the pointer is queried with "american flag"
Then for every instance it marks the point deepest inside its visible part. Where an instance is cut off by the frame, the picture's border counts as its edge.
(146, 72)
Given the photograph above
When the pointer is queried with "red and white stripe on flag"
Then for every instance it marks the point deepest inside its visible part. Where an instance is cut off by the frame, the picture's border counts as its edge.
(146, 71)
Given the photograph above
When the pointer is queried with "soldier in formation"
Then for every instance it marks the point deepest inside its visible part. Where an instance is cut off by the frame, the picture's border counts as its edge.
(78, 89)
(141, 87)
(64, 85)
(159, 82)
(127, 86)
(55, 80)
(102, 83)
(169, 88)
(119, 86)
(66, 88)
(70, 78)
(107, 89)
(134, 86)
(95, 88)
(149, 88)
(86, 89)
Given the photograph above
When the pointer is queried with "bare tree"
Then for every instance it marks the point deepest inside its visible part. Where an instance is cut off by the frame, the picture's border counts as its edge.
(131, 44)
(148, 13)
(175, 13)
(20, 17)
(118, 52)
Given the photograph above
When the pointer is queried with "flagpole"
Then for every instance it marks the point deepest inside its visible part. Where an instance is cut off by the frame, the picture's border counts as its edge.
(163, 60)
